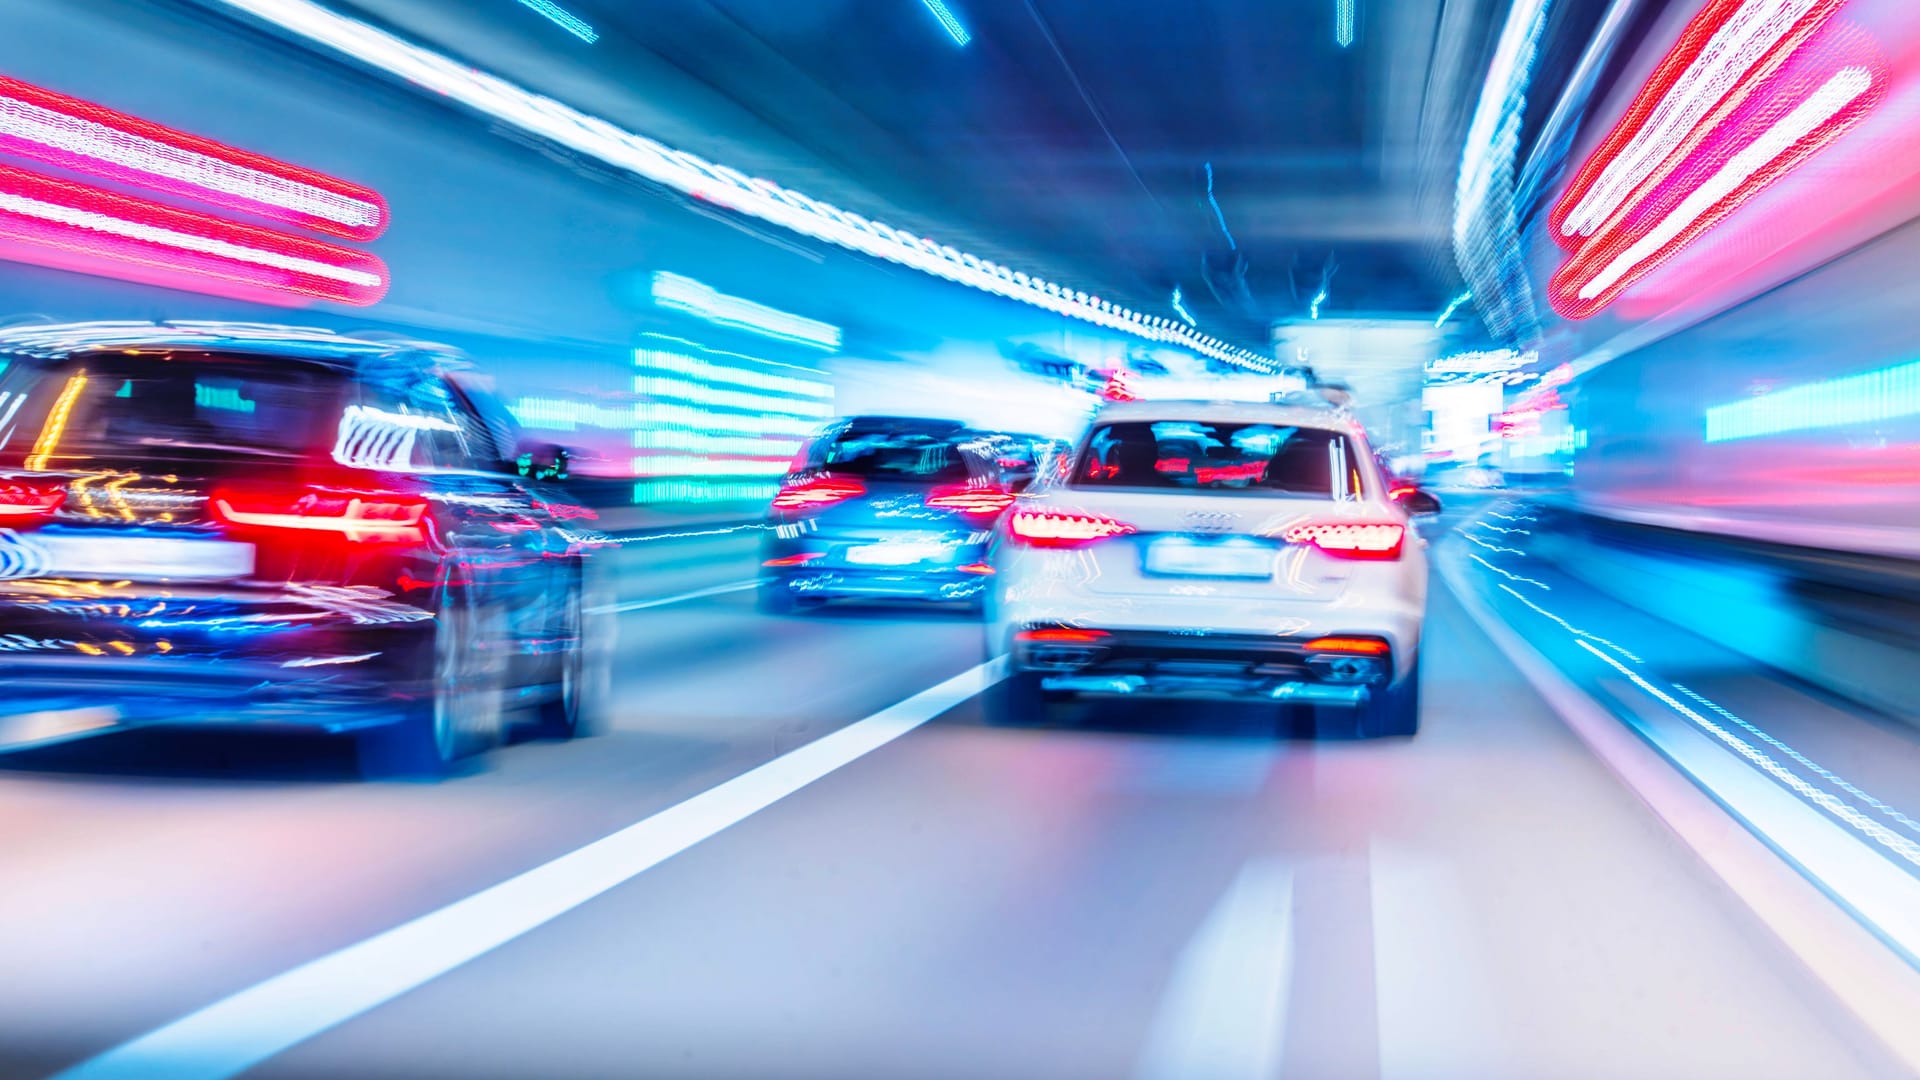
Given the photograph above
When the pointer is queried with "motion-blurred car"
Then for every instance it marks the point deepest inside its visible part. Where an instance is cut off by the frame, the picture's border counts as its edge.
(1241, 551)
(218, 524)
(885, 507)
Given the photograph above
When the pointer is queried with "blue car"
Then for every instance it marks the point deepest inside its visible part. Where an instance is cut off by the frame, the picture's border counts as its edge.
(885, 508)
(262, 527)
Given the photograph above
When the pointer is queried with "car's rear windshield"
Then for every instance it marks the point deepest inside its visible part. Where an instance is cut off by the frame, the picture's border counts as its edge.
(1214, 456)
(167, 405)
(934, 456)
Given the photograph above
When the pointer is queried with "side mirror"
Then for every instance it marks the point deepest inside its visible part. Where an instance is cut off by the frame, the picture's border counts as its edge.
(551, 463)
(1416, 501)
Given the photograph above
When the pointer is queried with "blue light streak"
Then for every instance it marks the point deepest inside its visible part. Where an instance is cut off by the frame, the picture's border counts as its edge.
(1452, 307)
(1217, 215)
(1343, 14)
(564, 19)
(1318, 299)
(1180, 309)
(948, 21)
(1886, 394)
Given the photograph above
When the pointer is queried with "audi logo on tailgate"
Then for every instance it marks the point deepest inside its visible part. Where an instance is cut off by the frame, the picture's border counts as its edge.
(1210, 521)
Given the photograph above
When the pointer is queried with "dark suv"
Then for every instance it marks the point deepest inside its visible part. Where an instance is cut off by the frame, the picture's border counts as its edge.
(885, 507)
(262, 526)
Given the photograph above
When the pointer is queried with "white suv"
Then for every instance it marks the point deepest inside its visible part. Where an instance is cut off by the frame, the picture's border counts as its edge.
(1214, 550)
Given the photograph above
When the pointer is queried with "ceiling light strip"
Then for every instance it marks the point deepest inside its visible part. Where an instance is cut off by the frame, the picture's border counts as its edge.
(73, 134)
(566, 126)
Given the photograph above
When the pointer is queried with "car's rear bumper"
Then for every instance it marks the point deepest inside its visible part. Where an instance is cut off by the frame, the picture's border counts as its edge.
(932, 584)
(1202, 665)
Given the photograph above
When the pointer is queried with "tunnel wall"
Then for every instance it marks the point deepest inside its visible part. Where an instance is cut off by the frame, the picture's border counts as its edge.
(536, 264)
(1762, 383)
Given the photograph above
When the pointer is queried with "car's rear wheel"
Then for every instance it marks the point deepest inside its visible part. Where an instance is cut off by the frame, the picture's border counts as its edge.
(579, 707)
(1019, 700)
(1395, 712)
(464, 712)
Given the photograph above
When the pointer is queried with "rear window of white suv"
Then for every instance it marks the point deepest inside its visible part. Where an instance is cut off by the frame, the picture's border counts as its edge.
(1214, 456)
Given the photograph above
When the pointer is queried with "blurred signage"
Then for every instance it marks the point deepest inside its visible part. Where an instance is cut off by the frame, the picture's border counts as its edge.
(91, 228)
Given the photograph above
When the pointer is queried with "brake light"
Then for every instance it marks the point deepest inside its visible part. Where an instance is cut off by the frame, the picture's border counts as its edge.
(359, 516)
(1351, 540)
(818, 494)
(1354, 646)
(1401, 492)
(29, 502)
(1052, 529)
(984, 502)
(1059, 635)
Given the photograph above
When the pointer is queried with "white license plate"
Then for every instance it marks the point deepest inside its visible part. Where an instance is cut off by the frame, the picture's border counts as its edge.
(1185, 558)
(137, 558)
(894, 554)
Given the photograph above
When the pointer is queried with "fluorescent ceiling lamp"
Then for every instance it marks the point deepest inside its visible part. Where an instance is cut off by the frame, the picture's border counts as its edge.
(592, 135)
(694, 298)
(564, 19)
(948, 21)
(1343, 21)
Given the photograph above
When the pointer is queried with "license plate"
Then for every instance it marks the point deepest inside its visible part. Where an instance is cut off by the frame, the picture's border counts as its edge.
(894, 554)
(1187, 558)
(137, 558)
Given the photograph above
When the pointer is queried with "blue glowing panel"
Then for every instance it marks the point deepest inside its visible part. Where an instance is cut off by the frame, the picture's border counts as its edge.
(1343, 14)
(1886, 394)
(702, 301)
(564, 19)
(948, 21)
(714, 425)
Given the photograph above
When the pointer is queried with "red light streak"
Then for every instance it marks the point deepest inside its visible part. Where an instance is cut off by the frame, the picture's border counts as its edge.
(70, 226)
(73, 134)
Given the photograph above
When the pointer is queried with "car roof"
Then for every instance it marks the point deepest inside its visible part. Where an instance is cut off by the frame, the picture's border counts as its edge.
(64, 340)
(1245, 412)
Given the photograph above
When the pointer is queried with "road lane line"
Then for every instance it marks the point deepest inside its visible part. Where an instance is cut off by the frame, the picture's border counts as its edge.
(241, 1031)
(641, 605)
(1223, 1016)
(1438, 1015)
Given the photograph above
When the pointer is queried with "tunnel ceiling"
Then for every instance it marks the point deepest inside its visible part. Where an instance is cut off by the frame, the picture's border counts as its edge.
(1068, 137)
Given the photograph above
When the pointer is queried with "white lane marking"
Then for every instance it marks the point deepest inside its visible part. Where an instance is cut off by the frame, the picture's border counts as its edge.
(1223, 1016)
(650, 537)
(1434, 1006)
(641, 605)
(239, 1032)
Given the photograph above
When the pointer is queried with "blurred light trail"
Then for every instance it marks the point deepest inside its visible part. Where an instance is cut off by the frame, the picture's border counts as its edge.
(1808, 127)
(1486, 231)
(1707, 68)
(546, 118)
(1343, 14)
(241, 1031)
(1180, 308)
(948, 21)
(1452, 307)
(1217, 215)
(706, 302)
(69, 133)
(564, 19)
(1319, 298)
(1886, 394)
(76, 227)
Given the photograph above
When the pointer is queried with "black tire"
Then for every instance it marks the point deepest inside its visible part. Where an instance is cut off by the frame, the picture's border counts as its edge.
(581, 706)
(1395, 712)
(1019, 701)
(464, 712)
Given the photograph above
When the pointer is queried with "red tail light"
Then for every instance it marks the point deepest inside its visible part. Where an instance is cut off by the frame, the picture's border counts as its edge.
(359, 516)
(818, 493)
(1355, 646)
(1053, 529)
(795, 560)
(1351, 539)
(981, 502)
(1059, 635)
(25, 503)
